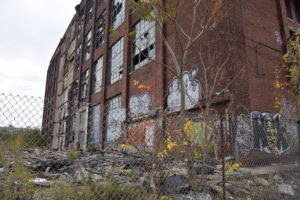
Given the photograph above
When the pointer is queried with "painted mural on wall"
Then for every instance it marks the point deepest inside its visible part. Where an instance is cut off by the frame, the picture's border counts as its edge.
(140, 104)
(192, 90)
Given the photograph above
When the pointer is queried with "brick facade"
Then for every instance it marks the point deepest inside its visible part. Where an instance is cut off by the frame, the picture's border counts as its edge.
(256, 33)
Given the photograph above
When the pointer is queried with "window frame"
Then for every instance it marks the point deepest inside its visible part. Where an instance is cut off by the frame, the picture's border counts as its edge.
(72, 129)
(89, 10)
(116, 61)
(117, 17)
(77, 61)
(113, 105)
(80, 26)
(84, 85)
(74, 93)
(94, 124)
(87, 47)
(97, 75)
(149, 47)
(100, 30)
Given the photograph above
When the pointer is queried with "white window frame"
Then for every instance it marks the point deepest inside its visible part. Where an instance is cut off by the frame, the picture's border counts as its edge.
(143, 44)
(116, 61)
(118, 13)
(97, 75)
(87, 49)
(94, 136)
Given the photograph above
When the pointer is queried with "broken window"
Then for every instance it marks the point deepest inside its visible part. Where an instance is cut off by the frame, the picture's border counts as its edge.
(143, 44)
(288, 9)
(118, 13)
(74, 93)
(89, 11)
(77, 58)
(87, 48)
(72, 129)
(114, 116)
(100, 30)
(116, 62)
(84, 85)
(97, 75)
(80, 25)
(94, 136)
(297, 9)
(82, 127)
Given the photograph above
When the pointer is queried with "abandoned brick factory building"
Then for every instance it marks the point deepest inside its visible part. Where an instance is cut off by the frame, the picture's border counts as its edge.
(101, 74)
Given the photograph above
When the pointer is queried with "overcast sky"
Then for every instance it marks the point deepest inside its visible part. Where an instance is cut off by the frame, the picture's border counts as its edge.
(30, 31)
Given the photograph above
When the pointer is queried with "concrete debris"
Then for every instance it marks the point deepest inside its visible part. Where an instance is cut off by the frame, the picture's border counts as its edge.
(176, 184)
(41, 182)
(261, 181)
(171, 178)
(286, 189)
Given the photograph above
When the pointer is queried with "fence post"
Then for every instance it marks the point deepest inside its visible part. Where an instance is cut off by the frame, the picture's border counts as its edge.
(223, 159)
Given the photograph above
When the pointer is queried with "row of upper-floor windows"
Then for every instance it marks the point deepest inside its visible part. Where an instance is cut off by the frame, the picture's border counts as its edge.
(117, 15)
(143, 51)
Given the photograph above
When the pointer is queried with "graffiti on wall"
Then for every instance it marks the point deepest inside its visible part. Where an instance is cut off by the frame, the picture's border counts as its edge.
(253, 132)
(115, 117)
(192, 90)
(142, 133)
(140, 104)
(149, 135)
(244, 134)
(262, 124)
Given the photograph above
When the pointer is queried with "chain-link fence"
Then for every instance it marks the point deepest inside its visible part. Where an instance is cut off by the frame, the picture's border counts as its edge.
(84, 151)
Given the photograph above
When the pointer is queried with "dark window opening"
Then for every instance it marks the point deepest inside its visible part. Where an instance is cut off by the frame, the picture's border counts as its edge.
(74, 93)
(100, 30)
(288, 9)
(84, 85)
(72, 129)
(143, 44)
(297, 10)
(77, 58)
(291, 33)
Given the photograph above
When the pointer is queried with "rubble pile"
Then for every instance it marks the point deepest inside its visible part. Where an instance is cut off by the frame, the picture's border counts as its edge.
(130, 168)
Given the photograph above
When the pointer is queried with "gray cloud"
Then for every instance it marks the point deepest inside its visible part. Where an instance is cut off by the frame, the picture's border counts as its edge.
(30, 32)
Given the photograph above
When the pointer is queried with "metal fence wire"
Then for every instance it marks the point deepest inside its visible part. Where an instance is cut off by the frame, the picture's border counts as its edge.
(83, 151)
